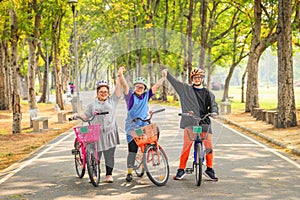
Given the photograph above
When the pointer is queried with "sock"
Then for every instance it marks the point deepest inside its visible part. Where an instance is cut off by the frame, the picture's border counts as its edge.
(130, 170)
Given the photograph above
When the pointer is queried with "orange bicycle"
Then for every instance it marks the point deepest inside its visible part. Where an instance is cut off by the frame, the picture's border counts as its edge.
(151, 157)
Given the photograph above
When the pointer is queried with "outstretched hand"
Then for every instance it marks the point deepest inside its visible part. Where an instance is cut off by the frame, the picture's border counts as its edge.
(164, 73)
(121, 70)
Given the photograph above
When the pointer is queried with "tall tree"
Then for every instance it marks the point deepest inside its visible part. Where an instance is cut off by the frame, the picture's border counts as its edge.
(286, 98)
(5, 69)
(56, 37)
(16, 106)
(189, 33)
(258, 46)
(34, 19)
(203, 18)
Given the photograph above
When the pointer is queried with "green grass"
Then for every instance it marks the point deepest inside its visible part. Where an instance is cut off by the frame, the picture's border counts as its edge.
(267, 98)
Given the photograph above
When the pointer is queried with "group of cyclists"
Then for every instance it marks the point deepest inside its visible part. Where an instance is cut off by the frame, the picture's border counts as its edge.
(193, 97)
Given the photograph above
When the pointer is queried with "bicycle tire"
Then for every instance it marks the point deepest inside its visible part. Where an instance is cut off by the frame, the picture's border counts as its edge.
(198, 164)
(92, 166)
(156, 164)
(138, 164)
(79, 162)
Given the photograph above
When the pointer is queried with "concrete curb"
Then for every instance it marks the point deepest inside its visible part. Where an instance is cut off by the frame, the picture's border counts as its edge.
(276, 142)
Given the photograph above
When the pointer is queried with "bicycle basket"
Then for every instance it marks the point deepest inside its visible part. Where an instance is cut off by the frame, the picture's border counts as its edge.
(145, 135)
(197, 132)
(88, 133)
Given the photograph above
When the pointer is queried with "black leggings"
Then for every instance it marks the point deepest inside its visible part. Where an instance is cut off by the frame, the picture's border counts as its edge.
(109, 157)
(132, 150)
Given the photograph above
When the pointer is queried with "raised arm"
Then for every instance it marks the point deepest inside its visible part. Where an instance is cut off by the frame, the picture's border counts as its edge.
(177, 85)
(122, 80)
(160, 82)
(118, 87)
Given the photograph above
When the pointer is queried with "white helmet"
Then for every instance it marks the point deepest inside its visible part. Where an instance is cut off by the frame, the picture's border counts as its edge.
(141, 80)
(102, 83)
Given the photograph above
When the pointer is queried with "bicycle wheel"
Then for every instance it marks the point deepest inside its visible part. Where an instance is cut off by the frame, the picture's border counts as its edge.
(92, 165)
(156, 164)
(79, 162)
(138, 164)
(198, 164)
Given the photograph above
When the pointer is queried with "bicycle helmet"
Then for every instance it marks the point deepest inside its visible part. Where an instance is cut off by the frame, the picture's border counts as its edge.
(141, 80)
(197, 71)
(101, 83)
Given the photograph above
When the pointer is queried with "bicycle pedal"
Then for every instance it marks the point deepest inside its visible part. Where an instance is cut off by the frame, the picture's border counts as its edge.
(189, 170)
(74, 151)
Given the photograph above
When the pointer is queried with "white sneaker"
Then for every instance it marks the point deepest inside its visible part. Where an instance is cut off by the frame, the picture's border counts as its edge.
(109, 179)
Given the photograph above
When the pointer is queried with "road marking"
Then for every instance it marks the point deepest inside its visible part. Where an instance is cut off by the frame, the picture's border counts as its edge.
(13, 172)
(265, 147)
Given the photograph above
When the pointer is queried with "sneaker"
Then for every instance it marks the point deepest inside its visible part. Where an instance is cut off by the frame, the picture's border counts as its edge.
(109, 179)
(211, 174)
(180, 174)
(129, 178)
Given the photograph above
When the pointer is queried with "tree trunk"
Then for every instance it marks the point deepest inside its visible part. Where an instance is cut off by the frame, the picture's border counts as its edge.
(188, 62)
(203, 18)
(3, 94)
(58, 87)
(56, 29)
(286, 98)
(163, 93)
(31, 76)
(32, 39)
(227, 81)
(243, 86)
(47, 59)
(184, 51)
(252, 65)
(257, 47)
(16, 106)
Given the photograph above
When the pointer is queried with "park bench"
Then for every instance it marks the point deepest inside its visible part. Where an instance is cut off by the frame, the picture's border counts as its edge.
(36, 119)
(61, 114)
(225, 107)
(258, 113)
(269, 116)
(272, 117)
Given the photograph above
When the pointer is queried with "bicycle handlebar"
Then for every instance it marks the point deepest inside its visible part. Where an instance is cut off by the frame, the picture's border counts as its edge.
(150, 116)
(190, 114)
(88, 120)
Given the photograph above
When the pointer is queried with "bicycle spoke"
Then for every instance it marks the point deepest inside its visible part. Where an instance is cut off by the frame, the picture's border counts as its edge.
(156, 164)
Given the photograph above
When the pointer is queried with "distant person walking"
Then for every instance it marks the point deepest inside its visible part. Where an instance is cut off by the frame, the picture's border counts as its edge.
(72, 87)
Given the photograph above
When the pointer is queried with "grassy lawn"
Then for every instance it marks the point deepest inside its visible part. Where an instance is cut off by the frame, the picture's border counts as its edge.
(267, 98)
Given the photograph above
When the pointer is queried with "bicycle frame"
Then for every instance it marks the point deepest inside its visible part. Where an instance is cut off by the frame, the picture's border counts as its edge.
(86, 149)
(198, 143)
(148, 120)
(152, 154)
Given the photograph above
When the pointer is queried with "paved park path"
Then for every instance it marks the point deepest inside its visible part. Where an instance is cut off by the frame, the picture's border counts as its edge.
(246, 168)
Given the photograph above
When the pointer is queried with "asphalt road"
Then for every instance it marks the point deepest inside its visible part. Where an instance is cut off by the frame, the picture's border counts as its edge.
(246, 169)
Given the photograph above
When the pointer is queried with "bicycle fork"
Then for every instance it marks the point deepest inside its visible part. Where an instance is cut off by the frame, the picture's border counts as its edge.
(195, 161)
(152, 156)
(76, 151)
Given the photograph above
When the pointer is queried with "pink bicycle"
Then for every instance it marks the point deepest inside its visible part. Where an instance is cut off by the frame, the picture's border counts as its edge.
(85, 149)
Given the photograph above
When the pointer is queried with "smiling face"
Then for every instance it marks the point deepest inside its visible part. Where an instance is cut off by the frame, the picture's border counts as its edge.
(198, 80)
(139, 89)
(102, 93)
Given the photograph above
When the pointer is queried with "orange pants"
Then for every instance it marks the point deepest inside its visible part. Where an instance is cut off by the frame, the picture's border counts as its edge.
(187, 144)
